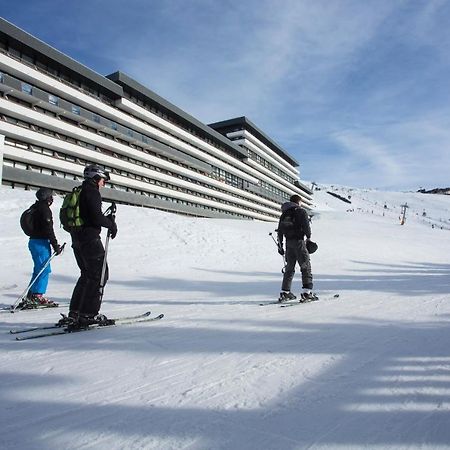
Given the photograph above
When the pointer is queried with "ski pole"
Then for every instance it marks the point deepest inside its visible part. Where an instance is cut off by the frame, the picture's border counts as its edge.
(102, 279)
(278, 246)
(25, 292)
(111, 211)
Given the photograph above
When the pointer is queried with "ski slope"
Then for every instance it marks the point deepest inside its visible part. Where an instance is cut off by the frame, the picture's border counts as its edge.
(370, 369)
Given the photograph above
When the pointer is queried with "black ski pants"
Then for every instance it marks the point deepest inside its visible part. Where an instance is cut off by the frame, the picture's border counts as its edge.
(86, 297)
(296, 253)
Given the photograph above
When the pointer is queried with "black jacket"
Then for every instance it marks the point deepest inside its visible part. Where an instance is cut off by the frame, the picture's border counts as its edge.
(44, 223)
(91, 213)
(301, 220)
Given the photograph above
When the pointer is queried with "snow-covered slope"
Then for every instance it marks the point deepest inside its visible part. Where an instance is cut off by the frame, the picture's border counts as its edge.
(432, 210)
(370, 369)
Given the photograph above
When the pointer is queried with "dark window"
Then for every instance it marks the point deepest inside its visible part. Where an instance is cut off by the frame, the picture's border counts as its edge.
(27, 58)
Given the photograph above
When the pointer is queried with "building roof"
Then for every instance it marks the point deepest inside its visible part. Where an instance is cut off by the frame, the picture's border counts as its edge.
(31, 45)
(246, 124)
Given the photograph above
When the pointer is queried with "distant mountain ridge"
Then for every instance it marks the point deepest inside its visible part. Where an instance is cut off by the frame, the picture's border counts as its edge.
(444, 191)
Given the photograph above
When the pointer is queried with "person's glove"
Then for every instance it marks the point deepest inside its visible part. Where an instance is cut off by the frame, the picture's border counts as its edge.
(112, 230)
(280, 250)
(58, 249)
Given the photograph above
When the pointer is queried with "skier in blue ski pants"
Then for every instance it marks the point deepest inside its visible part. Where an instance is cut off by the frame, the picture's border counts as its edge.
(42, 239)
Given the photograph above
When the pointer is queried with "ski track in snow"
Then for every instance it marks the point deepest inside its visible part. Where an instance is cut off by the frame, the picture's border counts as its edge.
(370, 369)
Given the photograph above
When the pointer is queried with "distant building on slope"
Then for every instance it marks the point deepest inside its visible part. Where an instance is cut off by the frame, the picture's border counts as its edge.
(57, 115)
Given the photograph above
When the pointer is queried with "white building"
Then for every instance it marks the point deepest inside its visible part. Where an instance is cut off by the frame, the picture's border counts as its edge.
(56, 115)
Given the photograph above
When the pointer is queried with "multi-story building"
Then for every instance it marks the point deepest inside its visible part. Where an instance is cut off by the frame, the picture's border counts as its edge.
(56, 115)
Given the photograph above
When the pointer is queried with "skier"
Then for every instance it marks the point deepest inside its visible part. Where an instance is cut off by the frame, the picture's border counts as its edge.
(42, 236)
(294, 226)
(89, 252)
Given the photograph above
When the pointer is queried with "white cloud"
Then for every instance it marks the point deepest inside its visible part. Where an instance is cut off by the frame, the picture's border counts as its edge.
(406, 154)
(371, 154)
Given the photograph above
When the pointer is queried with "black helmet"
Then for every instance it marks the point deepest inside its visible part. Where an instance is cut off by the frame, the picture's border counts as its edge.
(95, 172)
(44, 194)
(311, 246)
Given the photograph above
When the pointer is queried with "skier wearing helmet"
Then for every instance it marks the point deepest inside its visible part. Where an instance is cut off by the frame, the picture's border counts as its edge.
(89, 251)
(294, 226)
(42, 238)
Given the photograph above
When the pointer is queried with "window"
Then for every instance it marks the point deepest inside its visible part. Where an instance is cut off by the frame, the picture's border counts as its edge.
(76, 110)
(114, 125)
(96, 118)
(27, 88)
(53, 100)
(1, 78)
(27, 58)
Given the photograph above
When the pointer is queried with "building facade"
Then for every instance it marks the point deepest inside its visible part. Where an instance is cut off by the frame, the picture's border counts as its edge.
(57, 115)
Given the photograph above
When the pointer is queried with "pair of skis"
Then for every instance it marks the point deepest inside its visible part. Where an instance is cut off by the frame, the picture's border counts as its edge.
(296, 302)
(55, 330)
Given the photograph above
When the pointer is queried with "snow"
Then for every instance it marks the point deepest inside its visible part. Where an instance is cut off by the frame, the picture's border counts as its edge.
(370, 369)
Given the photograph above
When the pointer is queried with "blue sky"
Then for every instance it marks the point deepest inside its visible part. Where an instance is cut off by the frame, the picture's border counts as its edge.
(357, 91)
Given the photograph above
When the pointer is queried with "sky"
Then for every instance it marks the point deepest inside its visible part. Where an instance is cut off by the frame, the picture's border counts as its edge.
(358, 92)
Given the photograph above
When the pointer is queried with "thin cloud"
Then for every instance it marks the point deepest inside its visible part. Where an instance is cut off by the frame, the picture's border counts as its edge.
(366, 152)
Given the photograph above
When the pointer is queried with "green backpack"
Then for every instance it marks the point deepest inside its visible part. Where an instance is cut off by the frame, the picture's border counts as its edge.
(69, 214)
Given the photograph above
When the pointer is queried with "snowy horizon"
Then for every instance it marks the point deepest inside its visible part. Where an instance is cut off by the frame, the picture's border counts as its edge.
(367, 370)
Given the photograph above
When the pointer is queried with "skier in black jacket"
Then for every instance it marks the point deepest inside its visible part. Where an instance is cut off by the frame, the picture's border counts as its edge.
(296, 250)
(88, 249)
(42, 236)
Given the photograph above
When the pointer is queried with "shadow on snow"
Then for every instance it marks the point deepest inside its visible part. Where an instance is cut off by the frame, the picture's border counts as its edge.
(385, 383)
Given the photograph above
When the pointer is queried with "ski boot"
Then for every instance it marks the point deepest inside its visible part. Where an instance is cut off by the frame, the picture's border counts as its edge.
(69, 320)
(84, 321)
(286, 296)
(308, 296)
(26, 303)
(103, 321)
(75, 321)
(40, 301)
